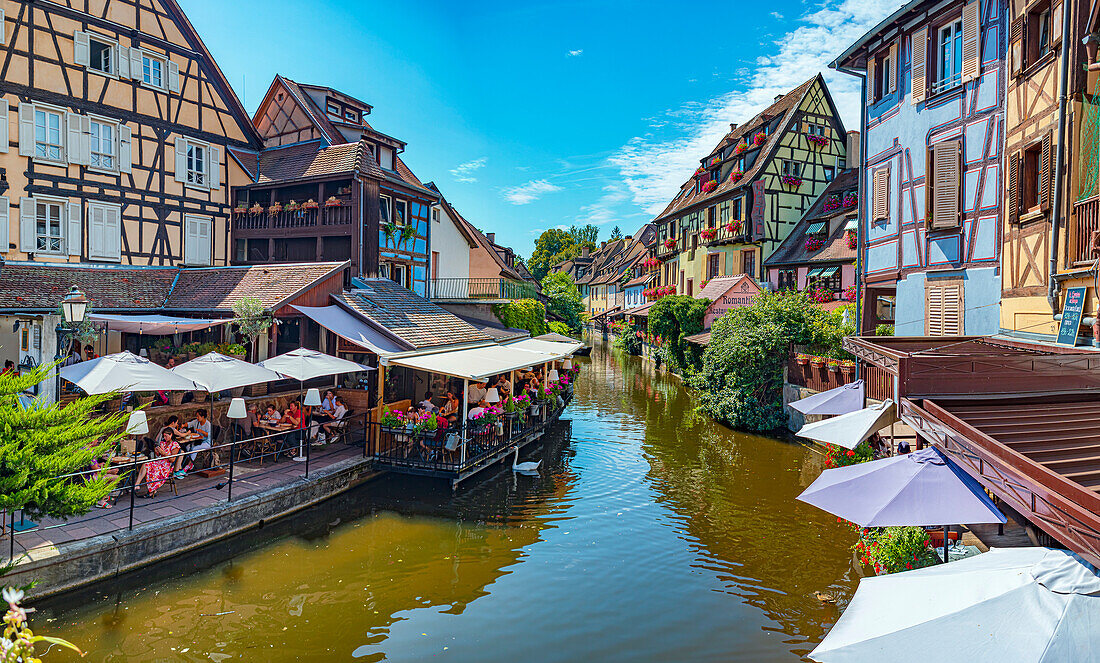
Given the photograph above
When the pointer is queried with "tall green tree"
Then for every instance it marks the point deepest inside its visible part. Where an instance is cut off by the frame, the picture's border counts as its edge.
(529, 314)
(42, 442)
(564, 299)
(672, 318)
(586, 234)
(552, 247)
(616, 233)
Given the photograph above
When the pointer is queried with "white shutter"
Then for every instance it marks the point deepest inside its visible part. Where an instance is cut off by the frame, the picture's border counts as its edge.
(85, 139)
(4, 221)
(202, 240)
(81, 48)
(73, 139)
(125, 151)
(214, 166)
(112, 232)
(26, 225)
(971, 45)
(96, 231)
(4, 137)
(190, 251)
(26, 130)
(72, 238)
(181, 160)
(173, 77)
(135, 64)
(2, 33)
(123, 60)
(920, 56)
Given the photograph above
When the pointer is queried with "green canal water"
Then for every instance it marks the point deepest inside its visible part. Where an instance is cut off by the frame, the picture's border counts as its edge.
(652, 534)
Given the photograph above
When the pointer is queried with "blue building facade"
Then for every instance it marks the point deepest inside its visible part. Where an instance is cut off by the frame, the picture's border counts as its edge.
(933, 118)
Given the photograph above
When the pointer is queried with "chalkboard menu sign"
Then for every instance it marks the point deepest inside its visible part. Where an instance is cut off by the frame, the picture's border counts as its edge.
(1071, 316)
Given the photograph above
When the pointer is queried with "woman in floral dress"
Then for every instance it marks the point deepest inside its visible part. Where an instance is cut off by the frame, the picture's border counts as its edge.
(157, 471)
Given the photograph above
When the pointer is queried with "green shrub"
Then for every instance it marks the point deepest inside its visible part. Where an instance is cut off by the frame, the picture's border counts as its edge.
(628, 339)
(527, 314)
(884, 330)
(561, 328)
(672, 318)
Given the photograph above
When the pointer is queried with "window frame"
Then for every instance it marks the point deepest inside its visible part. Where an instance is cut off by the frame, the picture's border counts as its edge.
(62, 145)
(62, 225)
(942, 81)
(160, 60)
(883, 68)
(351, 116)
(116, 144)
(189, 145)
(404, 217)
(112, 46)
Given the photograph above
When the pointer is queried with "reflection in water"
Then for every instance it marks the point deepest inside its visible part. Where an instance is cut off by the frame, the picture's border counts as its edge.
(651, 534)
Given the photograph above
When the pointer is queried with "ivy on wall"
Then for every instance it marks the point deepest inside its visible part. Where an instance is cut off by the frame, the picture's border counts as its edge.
(527, 314)
(672, 318)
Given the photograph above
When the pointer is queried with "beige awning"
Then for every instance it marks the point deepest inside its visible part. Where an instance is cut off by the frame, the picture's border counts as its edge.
(475, 363)
(556, 349)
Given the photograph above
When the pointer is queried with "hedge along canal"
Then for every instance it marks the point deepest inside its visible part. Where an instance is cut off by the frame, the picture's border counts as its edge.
(652, 534)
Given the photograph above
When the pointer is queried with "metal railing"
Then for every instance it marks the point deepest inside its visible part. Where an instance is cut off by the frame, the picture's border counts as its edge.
(482, 288)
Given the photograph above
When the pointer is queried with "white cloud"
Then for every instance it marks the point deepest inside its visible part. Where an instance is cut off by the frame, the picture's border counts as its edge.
(576, 53)
(777, 16)
(603, 211)
(464, 172)
(652, 168)
(529, 192)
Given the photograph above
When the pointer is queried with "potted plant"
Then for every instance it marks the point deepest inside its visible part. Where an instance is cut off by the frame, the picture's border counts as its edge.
(241, 208)
(741, 147)
(850, 236)
(251, 320)
(709, 185)
(309, 204)
(707, 234)
(291, 207)
(791, 180)
(833, 364)
(848, 368)
(759, 138)
(200, 396)
(670, 243)
(813, 243)
(274, 209)
(817, 362)
(333, 201)
(145, 397)
(175, 398)
(819, 141)
(736, 174)
(256, 209)
(802, 359)
(408, 232)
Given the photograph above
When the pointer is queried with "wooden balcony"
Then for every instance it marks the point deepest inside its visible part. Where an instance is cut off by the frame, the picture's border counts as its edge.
(483, 290)
(311, 218)
(664, 252)
(724, 236)
(1086, 222)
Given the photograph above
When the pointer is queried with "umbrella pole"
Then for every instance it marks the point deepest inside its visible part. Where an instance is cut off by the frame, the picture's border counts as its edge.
(946, 532)
(301, 413)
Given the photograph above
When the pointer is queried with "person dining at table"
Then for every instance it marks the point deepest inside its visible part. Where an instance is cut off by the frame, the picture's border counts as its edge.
(293, 420)
(475, 392)
(451, 404)
(270, 417)
(200, 425)
(504, 386)
(156, 472)
(338, 413)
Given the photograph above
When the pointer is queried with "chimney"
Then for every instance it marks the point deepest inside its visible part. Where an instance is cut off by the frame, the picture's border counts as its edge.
(492, 237)
(603, 243)
(628, 239)
(584, 251)
(852, 159)
(777, 98)
(733, 126)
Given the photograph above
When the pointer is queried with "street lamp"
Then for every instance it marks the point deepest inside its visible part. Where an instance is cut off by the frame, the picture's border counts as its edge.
(74, 308)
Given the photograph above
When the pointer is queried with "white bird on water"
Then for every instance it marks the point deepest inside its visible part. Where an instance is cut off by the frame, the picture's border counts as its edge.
(523, 467)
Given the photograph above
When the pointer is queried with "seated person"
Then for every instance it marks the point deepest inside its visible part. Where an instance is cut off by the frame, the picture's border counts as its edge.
(327, 404)
(156, 471)
(337, 415)
(427, 402)
(475, 392)
(200, 424)
(450, 404)
(9, 367)
(293, 415)
(477, 409)
(172, 424)
(270, 415)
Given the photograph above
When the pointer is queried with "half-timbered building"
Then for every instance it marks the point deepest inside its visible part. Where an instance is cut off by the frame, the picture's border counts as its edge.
(933, 114)
(328, 186)
(751, 189)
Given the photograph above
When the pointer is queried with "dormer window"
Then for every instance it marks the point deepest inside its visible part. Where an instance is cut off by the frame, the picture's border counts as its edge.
(333, 110)
(351, 116)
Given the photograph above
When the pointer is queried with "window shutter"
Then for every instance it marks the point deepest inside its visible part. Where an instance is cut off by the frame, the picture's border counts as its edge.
(4, 220)
(870, 79)
(125, 151)
(85, 142)
(81, 49)
(4, 136)
(1055, 23)
(2, 34)
(920, 55)
(951, 313)
(135, 64)
(173, 77)
(181, 160)
(26, 130)
(1016, 46)
(892, 75)
(73, 139)
(880, 205)
(123, 61)
(96, 232)
(1045, 171)
(946, 176)
(72, 239)
(112, 233)
(27, 240)
(1014, 188)
(971, 46)
(933, 312)
(214, 167)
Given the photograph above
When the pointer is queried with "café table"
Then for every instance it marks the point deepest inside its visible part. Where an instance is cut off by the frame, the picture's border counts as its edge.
(280, 441)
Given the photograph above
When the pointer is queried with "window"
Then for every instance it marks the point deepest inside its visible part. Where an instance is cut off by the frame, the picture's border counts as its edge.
(713, 264)
(48, 233)
(829, 173)
(400, 208)
(816, 129)
(385, 157)
(351, 116)
(735, 214)
(1029, 175)
(949, 56)
(152, 70)
(399, 274)
(103, 144)
(792, 168)
(943, 185)
(383, 210)
(104, 231)
(196, 240)
(788, 280)
(1038, 26)
(101, 56)
(435, 214)
(748, 262)
(943, 308)
(197, 163)
(827, 278)
(883, 71)
(333, 110)
(47, 135)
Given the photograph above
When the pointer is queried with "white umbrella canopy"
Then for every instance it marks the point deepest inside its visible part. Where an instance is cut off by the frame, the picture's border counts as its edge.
(124, 371)
(303, 364)
(1026, 605)
(217, 372)
(848, 430)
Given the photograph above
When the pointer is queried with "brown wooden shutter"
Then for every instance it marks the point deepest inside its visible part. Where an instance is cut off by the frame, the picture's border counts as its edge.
(952, 313)
(870, 79)
(920, 56)
(880, 194)
(971, 45)
(1016, 46)
(1014, 188)
(892, 76)
(1044, 174)
(946, 168)
(933, 311)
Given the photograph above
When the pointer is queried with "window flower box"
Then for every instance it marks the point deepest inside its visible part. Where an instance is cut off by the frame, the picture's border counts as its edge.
(709, 185)
(760, 138)
(333, 201)
(792, 180)
(851, 199)
(291, 207)
(850, 236)
(310, 204)
(802, 359)
(275, 209)
(817, 362)
(736, 174)
(256, 209)
(741, 147)
(670, 243)
(707, 234)
(240, 209)
(819, 141)
(734, 227)
(814, 243)
(831, 203)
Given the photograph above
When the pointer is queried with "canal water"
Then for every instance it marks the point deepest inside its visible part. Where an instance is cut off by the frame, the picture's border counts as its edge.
(651, 534)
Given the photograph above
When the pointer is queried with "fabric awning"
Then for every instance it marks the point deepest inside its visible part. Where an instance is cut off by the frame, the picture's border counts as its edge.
(475, 363)
(557, 350)
(853, 224)
(826, 272)
(815, 228)
(816, 271)
(154, 325)
(351, 328)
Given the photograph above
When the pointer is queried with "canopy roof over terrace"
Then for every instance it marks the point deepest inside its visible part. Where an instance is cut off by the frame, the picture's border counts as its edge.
(352, 328)
(154, 325)
(558, 350)
(480, 362)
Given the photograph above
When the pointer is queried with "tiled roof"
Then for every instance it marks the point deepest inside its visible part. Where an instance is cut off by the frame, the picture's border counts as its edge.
(307, 160)
(495, 329)
(41, 286)
(319, 116)
(641, 280)
(720, 285)
(216, 288)
(786, 107)
(248, 159)
(411, 318)
(793, 249)
(702, 338)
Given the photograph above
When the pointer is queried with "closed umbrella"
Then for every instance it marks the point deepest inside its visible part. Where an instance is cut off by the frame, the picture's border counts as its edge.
(848, 430)
(216, 372)
(124, 371)
(303, 364)
(1025, 605)
(841, 400)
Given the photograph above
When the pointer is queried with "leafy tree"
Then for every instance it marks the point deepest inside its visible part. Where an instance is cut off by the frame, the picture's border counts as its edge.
(42, 442)
(564, 299)
(562, 328)
(527, 314)
(587, 234)
(616, 233)
(672, 318)
(551, 245)
(249, 318)
(741, 379)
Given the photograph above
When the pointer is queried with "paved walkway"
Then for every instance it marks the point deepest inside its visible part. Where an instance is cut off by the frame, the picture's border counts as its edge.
(195, 492)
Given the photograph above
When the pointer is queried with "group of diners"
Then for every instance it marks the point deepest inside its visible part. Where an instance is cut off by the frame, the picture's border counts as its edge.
(319, 426)
(174, 451)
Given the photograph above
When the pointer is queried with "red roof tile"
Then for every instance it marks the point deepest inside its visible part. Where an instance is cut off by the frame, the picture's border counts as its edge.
(411, 318)
(217, 288)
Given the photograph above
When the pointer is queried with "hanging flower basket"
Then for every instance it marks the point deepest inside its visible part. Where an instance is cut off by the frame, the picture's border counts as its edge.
(670, 243)
(814, 243)
(709, 186)
(851, 237)
(275, 209)
(256, 209)
(760, 138)
(802, 359)
(820, 141)
(708, 234)
(240, 209)
(736, 174)
(333, 201)
(310, 204)
(792, 180)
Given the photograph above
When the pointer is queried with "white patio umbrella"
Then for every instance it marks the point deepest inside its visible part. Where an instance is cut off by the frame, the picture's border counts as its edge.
(124, 371)
(303, 364)
(1025, 605)
(848, 430)
(216, 372)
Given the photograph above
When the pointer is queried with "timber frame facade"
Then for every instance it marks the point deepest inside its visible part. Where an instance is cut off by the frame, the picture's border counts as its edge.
(751, 190)
(328, 186)
(115, 122)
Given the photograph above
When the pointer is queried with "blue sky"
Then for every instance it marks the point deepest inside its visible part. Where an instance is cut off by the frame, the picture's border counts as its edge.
(532, 115)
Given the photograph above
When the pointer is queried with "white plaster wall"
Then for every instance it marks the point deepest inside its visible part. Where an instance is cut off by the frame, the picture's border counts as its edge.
(454, 250)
